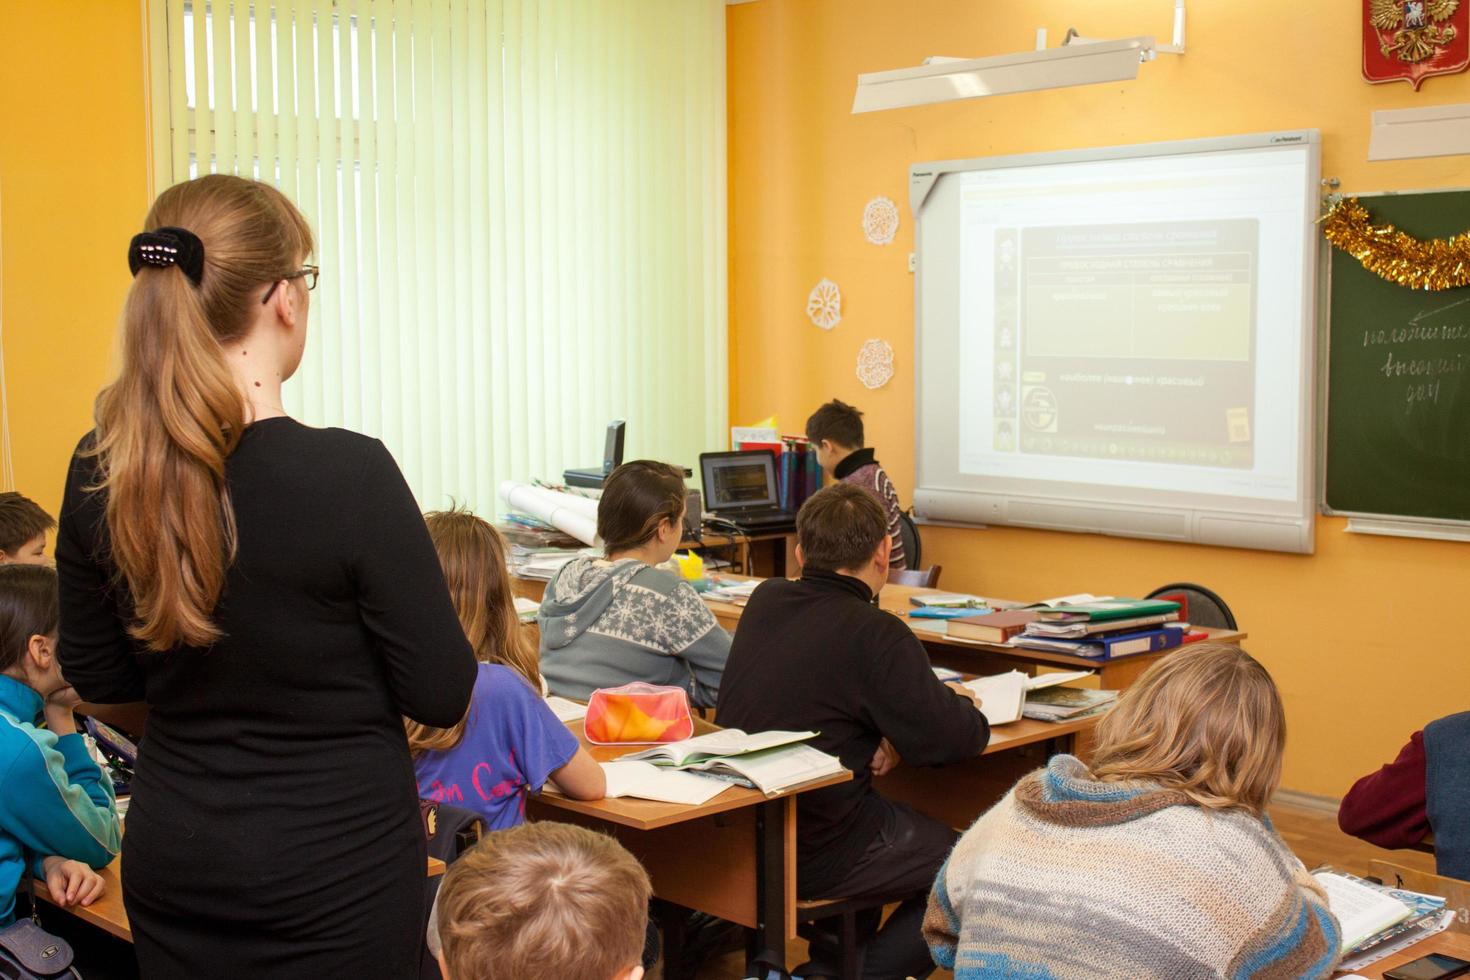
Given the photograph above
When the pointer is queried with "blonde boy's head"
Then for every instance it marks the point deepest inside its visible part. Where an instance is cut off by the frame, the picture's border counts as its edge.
(544, 900)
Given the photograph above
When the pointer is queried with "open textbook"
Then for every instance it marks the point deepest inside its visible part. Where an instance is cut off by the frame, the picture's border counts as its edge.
(770, 761)
(719, 743)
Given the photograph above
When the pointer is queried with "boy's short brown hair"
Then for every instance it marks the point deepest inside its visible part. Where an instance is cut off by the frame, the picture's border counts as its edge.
(840, 526)
(837, 421)
(543, 900)
(21, 519)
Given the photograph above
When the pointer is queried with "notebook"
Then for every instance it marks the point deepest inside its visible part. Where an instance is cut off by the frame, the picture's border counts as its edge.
(645, 781)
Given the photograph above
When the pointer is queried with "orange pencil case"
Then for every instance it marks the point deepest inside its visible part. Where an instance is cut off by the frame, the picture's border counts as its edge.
(638, 714)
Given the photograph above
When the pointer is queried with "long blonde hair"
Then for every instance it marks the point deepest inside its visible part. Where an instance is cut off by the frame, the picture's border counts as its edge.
(1206, 721)
(166, 425)
(472, 555)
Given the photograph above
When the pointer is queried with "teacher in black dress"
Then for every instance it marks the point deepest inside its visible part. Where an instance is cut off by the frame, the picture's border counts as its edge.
(271, 591)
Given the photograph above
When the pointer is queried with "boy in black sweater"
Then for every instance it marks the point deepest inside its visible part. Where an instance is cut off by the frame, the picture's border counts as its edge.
(819, 654)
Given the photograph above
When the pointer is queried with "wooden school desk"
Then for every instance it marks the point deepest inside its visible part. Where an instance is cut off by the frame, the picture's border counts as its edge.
(108, 914)
(733, 856)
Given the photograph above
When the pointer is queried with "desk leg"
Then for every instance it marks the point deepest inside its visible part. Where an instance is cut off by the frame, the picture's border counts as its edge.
(772, 885)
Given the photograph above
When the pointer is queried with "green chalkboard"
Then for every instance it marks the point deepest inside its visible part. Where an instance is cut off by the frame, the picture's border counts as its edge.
(1398, 378)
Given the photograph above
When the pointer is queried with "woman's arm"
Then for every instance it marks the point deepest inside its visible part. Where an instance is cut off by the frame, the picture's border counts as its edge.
(97, 656)
(403, 600)
(581, 778)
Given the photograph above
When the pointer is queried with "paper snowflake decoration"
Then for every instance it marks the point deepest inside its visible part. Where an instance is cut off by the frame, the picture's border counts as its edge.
(875, 364)
(824, 304)
(880, 220)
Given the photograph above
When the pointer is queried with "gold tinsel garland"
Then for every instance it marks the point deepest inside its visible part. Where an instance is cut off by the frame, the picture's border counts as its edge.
(1440, 263)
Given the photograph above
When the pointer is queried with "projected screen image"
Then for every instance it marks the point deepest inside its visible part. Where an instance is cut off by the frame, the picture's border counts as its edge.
(1134, 343)
(1130, 323)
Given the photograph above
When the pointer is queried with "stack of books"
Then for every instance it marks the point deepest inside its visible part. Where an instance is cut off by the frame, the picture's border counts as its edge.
(539, 564)
(1378, 920)
(1104, 629)
(532, 532)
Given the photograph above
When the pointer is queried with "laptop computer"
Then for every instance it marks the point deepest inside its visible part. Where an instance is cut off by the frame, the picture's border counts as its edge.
(740, 487)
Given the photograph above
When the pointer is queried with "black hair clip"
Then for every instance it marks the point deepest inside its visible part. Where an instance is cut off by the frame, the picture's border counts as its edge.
(168, 246)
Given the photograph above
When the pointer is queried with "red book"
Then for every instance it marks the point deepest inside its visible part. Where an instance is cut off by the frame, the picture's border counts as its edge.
(996, 627)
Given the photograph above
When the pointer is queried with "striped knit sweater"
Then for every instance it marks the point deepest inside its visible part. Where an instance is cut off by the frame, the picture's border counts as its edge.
(1068, 877)
(861, 469)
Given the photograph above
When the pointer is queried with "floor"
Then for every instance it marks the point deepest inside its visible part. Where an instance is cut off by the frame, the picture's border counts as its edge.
(1312, 833)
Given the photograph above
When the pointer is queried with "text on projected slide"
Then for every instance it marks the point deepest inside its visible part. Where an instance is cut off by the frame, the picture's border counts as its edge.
(1133, 342)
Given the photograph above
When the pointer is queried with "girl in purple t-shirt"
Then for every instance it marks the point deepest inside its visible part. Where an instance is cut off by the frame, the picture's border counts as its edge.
(509, 743)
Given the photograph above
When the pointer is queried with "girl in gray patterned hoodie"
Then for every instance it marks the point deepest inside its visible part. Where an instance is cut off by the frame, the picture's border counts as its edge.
(610, 621)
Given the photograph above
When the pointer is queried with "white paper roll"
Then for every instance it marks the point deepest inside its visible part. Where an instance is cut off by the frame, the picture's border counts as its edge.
(576, 516)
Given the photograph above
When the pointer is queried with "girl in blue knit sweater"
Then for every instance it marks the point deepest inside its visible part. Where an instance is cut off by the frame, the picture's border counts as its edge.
(57, 814)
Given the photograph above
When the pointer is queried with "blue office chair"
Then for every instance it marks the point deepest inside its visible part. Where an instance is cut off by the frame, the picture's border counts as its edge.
(1202, 606)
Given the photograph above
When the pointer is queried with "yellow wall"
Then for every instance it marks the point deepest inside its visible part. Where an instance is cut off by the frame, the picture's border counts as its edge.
(73, 190)
(1365, 636)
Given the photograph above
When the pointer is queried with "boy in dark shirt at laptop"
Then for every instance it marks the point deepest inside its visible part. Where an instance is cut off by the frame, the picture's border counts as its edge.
(836, 432)
(818, 654)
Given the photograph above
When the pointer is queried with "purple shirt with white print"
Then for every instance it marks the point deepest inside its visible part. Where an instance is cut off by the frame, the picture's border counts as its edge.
(512, 742)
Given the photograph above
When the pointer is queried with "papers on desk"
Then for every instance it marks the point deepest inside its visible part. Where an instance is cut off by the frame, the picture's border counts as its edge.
(718, 744)
(768, 760)
(1374, 917)
(565, 710)
(541, 568)
(645, 781)
(1003, 696)
(736, 592)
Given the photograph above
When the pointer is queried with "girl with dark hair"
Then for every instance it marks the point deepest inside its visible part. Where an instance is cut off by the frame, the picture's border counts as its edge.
(271, 591)
(58, 820)
(612, 620)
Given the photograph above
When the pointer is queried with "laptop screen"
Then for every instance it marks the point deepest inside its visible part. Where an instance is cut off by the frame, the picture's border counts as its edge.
(739, 480)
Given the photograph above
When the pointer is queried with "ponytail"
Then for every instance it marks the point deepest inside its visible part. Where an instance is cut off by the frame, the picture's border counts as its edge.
(174, 415)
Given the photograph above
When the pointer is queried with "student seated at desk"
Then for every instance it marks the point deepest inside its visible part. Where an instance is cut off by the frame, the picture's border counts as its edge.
(543, 900)
(818, 654)
(23, 527)
(836, 431)
(610, 621)
(1158, 862)
(58, 819)
(1426, 790)
(509, 742)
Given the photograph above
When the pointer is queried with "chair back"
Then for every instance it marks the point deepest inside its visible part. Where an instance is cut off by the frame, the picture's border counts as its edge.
(923, 578)
(908, 533)
(1198, 605)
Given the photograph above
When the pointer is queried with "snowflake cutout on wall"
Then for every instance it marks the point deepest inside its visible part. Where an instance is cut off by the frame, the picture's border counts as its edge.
(824, 304)
(875, 364)
(880, 220)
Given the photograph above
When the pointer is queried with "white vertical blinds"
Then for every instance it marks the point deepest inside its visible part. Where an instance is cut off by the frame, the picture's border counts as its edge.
(520, 211)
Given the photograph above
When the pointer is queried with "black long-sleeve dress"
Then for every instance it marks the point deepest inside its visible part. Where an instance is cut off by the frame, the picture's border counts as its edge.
(274, 828)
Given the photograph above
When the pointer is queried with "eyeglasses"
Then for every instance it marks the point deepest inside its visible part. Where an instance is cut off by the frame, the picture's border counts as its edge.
(307, 272)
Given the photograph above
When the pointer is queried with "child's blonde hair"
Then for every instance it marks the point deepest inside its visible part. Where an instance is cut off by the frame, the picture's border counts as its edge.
(543, 900)
(1206, 721)
(472, 555)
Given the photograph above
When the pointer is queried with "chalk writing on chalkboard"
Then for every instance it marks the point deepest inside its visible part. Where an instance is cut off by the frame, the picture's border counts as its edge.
(1420, 353)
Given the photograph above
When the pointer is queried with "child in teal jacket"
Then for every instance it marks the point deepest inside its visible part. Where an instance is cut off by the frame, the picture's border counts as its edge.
(58, 817)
